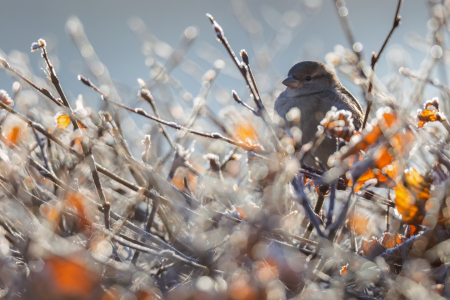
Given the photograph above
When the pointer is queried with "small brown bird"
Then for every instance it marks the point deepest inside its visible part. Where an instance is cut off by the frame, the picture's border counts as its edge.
(313, 88)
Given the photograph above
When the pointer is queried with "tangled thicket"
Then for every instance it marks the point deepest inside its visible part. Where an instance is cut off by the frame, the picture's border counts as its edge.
(236, 215)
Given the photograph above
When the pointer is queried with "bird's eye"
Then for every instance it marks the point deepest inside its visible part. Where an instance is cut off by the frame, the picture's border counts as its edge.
(308, 78)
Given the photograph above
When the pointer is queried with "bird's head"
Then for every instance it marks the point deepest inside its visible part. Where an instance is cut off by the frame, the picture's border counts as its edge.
(309, 77)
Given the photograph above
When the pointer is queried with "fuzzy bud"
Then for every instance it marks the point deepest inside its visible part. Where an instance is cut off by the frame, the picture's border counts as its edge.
(217, 28)
(5, 98)
(4, 63)
(142, 83)
(84, 80)
(236, 97)
(40, 44)
(16, 87)
(145, 94)
(147, 140)
(244, 57)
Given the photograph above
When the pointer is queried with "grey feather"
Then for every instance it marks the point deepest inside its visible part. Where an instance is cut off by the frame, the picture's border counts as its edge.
(314, 98)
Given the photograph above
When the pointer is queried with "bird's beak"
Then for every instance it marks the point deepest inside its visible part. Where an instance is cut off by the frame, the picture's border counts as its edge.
(291, 82)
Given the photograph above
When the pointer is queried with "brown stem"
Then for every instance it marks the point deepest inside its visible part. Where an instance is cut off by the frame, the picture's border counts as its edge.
(55, 80)
(130, 225)
(149, 224)
(376, 57)
(43, 91)
(147, 96)
(317, 209)
(80, 156)
(239, 101)
(244, 69)
(88, 152)
(106, 214)
(174, 125)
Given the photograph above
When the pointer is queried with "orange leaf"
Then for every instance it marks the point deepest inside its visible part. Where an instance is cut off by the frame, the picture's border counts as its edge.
(382, 178)
(76, 144)
(245, 132)
(406, 204)
(413, 230)
(63, 120)
(387, 118)
(77, 202)
(145, 295)
(241, 213)
(50, 213)
(338, 124)
(362, 179)
(13, 135)
(178, 179)
(5, 98)
(71, 278)
(430, 113)
(241, 289)
(390, 241)
(368, 246)
(411, 196)
(382, 157)
(358, 223)
(266, 271)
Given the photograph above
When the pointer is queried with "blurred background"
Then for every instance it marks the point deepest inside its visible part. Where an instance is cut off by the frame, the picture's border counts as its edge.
(115, 42)
(171, 46)
(301, 29)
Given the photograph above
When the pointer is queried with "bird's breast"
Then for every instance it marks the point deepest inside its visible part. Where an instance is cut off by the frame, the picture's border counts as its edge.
(313, 108)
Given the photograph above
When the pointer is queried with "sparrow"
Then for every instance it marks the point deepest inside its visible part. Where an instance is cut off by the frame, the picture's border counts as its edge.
(314, 89)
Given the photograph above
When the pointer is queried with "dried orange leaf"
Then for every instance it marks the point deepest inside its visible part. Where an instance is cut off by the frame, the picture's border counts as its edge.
(179, 177)
(370, 248)
(5, 98)
(77, 202)
(430, 113)
(13, 135)
(384, 178)
(390, 241)
(386, 119)
(241, 213)
(63, 120)
(338, 124)
(413, 230)
(411, 196)
(245, 132)
(382, 157)
(71, 278)
(358, 223)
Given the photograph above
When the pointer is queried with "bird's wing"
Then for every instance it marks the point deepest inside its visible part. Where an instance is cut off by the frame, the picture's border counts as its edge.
(343, 99)
(349, 95)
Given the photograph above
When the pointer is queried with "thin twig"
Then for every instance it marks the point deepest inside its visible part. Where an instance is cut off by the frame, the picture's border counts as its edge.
(147, 96)
(174, 125)
(55, 80)
(317, 209)
(244, 69)
(43, 91)
(239, 101)
(333, 228)
(80, 156)
(129, 224)
(106, 214)
(331, 206)
(304, 201)
(376, 57)
(88, 152)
